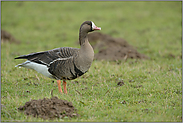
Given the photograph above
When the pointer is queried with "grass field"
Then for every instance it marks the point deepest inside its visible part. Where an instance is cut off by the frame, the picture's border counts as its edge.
(152, 89)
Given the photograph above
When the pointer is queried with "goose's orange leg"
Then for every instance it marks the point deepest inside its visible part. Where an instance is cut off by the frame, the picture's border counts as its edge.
(59, 86)
(64, 84)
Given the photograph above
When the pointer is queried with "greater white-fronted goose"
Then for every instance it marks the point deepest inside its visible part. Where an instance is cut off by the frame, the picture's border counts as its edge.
(64, 63)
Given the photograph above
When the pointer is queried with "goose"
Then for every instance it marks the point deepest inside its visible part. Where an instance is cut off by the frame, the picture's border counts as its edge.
(65, 63)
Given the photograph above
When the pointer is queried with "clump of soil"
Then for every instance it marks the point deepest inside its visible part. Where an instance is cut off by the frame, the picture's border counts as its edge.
(120, 83)
(49, 108)
(110, 48)
(7, 37)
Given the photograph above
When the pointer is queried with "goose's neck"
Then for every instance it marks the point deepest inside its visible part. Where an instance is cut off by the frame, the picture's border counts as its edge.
(86, 53)
(86, 50)
(83, 37)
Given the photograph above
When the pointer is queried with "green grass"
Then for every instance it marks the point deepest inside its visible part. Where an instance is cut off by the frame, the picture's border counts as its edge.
(152, 89)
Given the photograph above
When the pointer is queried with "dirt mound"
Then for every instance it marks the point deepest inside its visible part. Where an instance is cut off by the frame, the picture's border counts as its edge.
(7, 37)
(110, 48)
(49, 108)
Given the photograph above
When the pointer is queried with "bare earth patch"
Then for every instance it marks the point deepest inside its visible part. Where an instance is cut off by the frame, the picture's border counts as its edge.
(49, 108)
(7, 37)
(110, 48)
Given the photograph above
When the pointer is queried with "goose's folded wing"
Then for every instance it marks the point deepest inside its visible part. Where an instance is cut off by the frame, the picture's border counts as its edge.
(50, 56)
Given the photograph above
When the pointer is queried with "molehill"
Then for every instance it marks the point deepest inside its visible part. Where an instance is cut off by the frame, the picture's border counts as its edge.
(109, 48)
(49, 108)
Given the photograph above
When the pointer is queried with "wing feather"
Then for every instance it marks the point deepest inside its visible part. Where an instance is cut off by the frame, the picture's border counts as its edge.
(50, 56)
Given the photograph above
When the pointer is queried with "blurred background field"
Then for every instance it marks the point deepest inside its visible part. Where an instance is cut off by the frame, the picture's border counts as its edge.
(151, 89)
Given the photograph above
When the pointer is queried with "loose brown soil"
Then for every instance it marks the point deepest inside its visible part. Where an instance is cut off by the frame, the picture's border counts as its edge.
(120, 83)
(110, 48)
(7, 37)
(49, 108)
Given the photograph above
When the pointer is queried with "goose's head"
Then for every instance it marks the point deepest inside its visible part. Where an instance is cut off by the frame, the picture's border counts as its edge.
(89, 26)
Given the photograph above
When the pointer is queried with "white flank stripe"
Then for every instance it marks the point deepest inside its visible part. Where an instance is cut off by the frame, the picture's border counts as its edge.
(60, 59)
